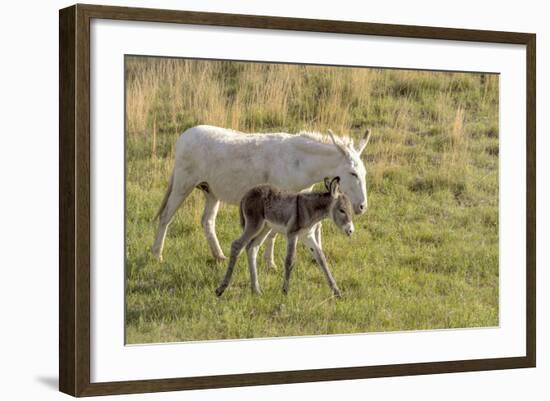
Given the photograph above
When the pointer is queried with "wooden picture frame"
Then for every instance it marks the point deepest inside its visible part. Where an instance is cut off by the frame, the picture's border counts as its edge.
(75, 200)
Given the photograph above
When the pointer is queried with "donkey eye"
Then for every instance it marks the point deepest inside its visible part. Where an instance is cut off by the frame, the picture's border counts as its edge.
(342, 211)
(354, 174)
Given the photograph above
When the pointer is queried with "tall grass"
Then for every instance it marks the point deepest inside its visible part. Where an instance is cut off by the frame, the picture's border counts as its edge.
(426, 252)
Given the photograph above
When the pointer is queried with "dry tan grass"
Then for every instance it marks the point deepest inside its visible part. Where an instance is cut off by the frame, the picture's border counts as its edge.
(166, 96)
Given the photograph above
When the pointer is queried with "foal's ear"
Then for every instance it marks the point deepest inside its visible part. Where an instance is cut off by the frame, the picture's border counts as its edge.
(327, 183)
(335, 187)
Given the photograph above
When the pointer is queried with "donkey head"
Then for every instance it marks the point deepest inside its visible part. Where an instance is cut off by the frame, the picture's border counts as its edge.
(341, 211)
(352, 172)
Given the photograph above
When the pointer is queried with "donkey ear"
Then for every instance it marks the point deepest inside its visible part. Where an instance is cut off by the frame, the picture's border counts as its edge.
(335, 187)
(341, 148)
(364, 141)
(327, 183)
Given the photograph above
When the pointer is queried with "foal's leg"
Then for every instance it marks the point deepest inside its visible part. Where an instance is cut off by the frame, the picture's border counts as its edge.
(316, 232)
(208, 221)
(269, 251)
(289, 259)
(252, 252)
(309, 240)
(175, 198)
(251, 229)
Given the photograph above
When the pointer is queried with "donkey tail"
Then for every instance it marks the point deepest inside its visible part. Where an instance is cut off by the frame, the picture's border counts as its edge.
(241, 215)
(166, 196)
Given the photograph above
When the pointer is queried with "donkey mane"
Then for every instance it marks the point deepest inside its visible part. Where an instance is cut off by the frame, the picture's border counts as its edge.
(316, 136)
(344, 141)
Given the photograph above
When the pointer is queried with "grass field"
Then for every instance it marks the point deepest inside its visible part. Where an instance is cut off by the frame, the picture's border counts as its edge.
(424, 256)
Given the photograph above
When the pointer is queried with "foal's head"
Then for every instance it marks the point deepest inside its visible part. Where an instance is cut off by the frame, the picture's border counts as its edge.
(341, 211)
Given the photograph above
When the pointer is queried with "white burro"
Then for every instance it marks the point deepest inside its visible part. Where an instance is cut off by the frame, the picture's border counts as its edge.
(224, 164)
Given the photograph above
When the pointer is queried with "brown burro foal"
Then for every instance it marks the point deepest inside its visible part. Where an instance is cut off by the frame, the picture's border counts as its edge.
(265, 208)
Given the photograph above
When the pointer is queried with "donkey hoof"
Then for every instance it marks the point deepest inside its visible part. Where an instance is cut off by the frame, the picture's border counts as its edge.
(157, 255)
(219, 291)
(337, 293)
(272, 266)
(220, 258)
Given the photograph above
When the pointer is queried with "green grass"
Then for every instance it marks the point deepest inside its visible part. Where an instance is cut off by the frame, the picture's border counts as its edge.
(424, 256)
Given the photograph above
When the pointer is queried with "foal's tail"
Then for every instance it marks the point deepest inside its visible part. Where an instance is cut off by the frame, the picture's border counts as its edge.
(166, 196)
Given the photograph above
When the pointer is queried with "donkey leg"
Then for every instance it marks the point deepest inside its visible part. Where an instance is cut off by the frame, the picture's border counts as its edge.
(208, 222)
(252, 252)
(289, 260)
(309, 240)
(175, 199)
(250, 231)
(318, 234)
(269, 251)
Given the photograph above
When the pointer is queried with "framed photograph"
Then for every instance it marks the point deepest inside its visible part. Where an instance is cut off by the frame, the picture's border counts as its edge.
(249, 200)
